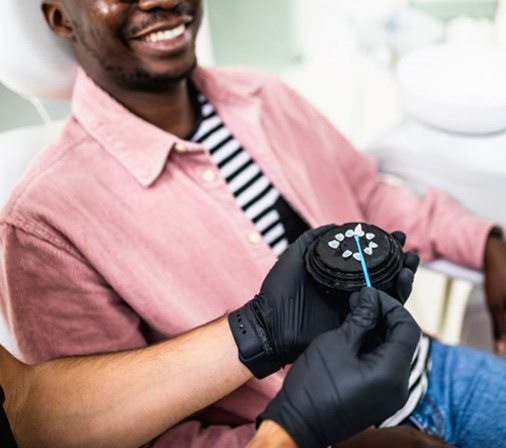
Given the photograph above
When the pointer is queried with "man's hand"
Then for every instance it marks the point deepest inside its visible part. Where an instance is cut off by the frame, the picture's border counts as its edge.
(290, 311)
(401, 436)
(495, 288)
(335, 390)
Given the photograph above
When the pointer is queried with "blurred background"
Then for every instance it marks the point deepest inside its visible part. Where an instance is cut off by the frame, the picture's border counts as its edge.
(344, 56)
(338, 53)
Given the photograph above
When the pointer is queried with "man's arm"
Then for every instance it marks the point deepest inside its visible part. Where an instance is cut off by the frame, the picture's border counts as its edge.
(437, 227)
(123, 399)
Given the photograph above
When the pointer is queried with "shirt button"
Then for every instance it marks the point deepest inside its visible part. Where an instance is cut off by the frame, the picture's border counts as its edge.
(209, 175)
(180, 148)
(255, 238)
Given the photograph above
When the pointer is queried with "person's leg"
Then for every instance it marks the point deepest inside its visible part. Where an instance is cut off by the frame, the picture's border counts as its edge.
(465, 403)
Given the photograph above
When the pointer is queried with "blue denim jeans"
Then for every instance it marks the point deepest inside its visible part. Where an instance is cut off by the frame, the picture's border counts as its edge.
(465, 403)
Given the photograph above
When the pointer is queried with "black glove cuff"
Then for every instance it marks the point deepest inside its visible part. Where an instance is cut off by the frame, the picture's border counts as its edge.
(252, 351)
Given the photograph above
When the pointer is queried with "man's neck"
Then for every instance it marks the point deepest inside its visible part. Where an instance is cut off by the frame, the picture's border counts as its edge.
(171, 110)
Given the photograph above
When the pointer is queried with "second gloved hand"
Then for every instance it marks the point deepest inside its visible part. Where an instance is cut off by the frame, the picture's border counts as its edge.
(333, 390)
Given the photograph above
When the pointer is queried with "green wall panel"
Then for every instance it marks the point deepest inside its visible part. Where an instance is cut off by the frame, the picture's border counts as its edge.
(253, 32)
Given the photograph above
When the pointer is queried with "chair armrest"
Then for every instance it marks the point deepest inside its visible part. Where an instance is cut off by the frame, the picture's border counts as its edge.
(455, 271)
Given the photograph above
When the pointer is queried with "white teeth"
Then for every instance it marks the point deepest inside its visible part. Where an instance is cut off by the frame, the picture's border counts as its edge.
(166, 35)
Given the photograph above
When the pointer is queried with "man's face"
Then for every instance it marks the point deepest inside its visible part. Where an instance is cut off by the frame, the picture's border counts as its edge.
(135, 44)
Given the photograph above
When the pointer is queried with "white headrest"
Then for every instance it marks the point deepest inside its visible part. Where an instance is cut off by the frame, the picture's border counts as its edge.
(456, 87)
(33, 62)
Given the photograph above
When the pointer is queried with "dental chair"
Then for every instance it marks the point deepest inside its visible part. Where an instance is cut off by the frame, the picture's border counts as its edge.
(34, 65)
(454, 140)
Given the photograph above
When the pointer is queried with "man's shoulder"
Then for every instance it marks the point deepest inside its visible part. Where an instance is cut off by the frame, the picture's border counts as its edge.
(40, 173)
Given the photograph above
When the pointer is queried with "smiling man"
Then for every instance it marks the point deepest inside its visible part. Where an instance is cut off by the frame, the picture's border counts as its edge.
(170, 194)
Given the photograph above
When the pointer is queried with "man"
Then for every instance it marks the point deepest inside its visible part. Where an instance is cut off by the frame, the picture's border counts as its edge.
(171, 192)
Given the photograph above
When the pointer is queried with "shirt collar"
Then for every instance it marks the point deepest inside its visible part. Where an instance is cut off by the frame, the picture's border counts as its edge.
(142, 148)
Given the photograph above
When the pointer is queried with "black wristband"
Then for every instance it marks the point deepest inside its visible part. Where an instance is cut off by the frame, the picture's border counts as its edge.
(252, 352)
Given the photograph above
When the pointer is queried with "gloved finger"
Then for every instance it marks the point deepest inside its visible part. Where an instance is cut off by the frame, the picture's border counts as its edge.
(404, 284)
(411, 261)
(400, 237)
(299, 247)
(402, 332)
(362, 318)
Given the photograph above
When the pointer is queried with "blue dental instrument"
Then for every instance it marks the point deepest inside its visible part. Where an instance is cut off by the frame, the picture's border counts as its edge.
(362, 263)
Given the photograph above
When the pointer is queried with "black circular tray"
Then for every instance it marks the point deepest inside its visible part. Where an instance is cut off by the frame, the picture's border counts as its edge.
(333, 260)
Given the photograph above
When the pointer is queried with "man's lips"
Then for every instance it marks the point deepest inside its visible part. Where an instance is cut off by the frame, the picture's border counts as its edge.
(163, 40)
(162, 26)
(164, 34)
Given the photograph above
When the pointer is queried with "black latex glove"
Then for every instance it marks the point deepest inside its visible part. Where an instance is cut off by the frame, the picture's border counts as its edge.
(404, 281)
(333, 390)
(290, 311)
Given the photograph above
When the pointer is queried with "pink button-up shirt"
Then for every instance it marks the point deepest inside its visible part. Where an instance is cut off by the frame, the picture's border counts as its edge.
(121, 234)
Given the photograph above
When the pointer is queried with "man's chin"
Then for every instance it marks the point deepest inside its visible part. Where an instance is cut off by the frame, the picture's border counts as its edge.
(143, 80)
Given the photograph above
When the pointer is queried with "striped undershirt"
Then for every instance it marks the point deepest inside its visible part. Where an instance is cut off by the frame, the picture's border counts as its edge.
(418, 383)
(260, 201)
(253, 192)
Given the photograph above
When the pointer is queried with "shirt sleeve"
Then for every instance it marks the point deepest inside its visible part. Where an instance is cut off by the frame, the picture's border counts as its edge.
(436, 226)
(44, 286)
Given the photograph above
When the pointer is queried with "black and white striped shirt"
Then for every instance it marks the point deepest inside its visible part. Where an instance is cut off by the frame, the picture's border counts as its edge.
(272, 216)
(252, 190)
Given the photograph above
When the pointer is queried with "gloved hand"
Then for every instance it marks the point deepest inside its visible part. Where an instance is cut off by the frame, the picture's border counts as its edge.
(333, 390)
(272, 329)
(404, 281)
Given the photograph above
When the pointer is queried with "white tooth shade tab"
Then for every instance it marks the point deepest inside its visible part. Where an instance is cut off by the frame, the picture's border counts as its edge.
(334, 244)
(358, 231)
(166, 35)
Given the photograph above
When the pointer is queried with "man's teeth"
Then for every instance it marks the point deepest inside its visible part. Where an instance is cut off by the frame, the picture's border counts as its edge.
(166, 35)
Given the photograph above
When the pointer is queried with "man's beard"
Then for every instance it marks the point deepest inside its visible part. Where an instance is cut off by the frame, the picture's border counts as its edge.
(141, 80)
(137, 78)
